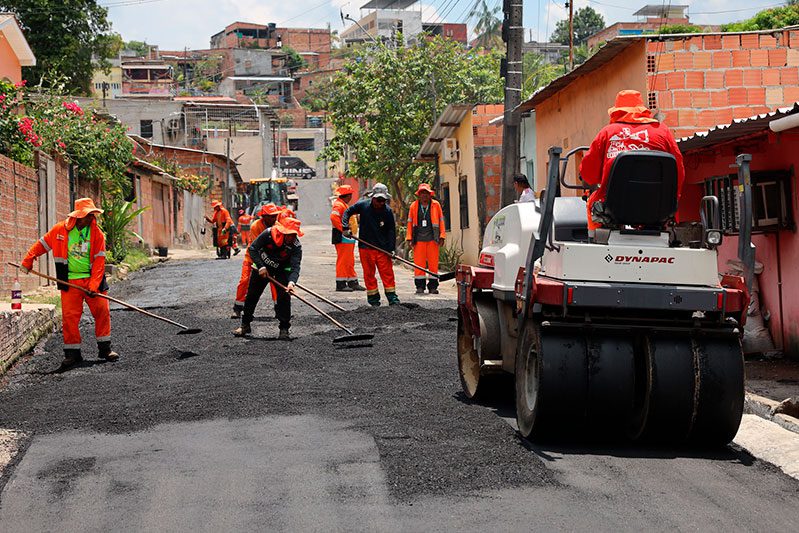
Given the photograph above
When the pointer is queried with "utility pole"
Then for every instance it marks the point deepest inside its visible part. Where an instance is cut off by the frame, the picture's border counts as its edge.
(570, 5)
(513, 35)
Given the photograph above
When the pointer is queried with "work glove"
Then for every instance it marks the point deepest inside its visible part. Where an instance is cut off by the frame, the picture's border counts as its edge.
(347, 233)
(262, 272)
(290, 287)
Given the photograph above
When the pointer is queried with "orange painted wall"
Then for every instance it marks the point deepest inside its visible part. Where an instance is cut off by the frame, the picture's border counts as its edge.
(9, 64)
(573, 116)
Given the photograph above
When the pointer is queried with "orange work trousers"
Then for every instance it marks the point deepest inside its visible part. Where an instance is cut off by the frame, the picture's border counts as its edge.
(245, 237)
(345, 262)
(425, 255)
(244, 281)
(72, 309)
(372, 260)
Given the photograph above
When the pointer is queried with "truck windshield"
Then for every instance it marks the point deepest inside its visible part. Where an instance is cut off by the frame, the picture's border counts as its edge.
(266, 192)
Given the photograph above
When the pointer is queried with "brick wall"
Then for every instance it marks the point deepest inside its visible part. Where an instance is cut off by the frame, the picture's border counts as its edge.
(19, 224)
(702, 81)
(20, 331)
(488, 145)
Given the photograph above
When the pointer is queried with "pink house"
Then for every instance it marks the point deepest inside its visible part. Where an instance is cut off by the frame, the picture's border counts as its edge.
(15, 52)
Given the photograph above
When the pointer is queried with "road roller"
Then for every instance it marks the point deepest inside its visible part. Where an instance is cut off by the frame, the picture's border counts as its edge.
(626, 332)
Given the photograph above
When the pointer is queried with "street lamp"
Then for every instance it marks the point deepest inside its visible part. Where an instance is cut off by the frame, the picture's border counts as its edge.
(347, 17)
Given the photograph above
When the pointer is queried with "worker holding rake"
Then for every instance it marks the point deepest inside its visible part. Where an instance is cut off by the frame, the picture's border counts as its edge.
(268, 216)
(78, 248)
(276, 255)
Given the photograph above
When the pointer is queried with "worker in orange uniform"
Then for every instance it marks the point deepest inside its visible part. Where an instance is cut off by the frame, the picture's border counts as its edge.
(268, 217)
(426, 234)
(378, 229)
(632, 127)
(222, 222)
(346, 277)
(245, 222)
(78, 248)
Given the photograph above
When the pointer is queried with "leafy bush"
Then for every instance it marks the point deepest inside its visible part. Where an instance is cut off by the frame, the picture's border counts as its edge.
(117, 216)
(767, 19)
(671, 29)
(449, 257)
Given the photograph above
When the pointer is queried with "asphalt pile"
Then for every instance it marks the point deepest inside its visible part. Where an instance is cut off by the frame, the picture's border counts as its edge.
(403, 390)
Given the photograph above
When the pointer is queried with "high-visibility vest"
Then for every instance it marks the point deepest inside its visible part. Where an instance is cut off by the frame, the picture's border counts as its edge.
(436, 220)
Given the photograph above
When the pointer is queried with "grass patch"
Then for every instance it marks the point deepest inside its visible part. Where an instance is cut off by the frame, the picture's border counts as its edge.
(137, 258)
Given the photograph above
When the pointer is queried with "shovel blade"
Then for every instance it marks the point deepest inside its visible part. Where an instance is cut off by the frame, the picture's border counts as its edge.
(446, 276)
(190, 331)
(353, 338)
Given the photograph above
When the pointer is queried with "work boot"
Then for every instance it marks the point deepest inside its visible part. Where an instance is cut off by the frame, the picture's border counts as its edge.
(283, 335)
(354, 285)
(373, 299)
(341, 286)
(432, 286)
(242, 330)
(236, 313)
(71, 358)
(392, 298)
(236, 251)
(105, 352)
(419, 285)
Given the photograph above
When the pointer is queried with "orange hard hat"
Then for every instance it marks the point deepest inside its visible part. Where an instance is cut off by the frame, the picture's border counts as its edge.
(424, 187)
(286, 213)
(345, 190)
(269, 209)
(288, 226)
(215, 204)
(84, 207)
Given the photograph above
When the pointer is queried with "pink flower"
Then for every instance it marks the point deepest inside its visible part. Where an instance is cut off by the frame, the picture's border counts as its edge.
(61, 144)
(74, 107)
(20, 84)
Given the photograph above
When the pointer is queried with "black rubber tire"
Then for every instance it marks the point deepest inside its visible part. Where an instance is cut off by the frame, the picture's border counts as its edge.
(611, 385)
(475, 383)
(720, 403)
(551, 383)
(672, 384)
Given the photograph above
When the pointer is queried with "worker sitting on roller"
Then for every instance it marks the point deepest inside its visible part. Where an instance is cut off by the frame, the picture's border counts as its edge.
(378, 229)
(78, 248)
(276, 253)
(426, 234)
(346, 277)
(632, 127)
(268, 216)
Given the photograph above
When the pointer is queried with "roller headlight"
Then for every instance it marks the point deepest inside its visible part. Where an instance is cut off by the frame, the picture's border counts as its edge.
(714, 237)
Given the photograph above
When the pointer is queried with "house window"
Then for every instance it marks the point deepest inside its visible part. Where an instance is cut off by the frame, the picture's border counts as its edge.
(301, 145)
(463, 200)
(771, 206)
(446, 206)
(146, 129)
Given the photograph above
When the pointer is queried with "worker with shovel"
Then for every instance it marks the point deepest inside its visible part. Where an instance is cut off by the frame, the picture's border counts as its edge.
(268, 216)
(378, 229)
(346, 277)
(276, 254)
(426, 234)
(78, 248)
(222, 222)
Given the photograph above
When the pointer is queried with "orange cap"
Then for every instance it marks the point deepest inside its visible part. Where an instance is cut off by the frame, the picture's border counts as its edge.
(83, 207)
(628, 101)
(288, 226)
(345, 190)
(424, 187)
(269, 209)
(215, 204)
(286, 213)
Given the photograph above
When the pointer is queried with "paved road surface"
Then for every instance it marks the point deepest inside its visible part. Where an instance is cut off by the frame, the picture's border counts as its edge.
(209, 432)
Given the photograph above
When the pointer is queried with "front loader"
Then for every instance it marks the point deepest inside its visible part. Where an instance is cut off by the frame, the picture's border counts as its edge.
(628, 332)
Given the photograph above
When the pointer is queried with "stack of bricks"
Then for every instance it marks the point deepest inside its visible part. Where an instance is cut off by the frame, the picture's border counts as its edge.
(21, 330)
(488, 149)
(702, 81)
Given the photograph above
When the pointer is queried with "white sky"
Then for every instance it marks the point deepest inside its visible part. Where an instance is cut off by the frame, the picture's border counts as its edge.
(175, 24)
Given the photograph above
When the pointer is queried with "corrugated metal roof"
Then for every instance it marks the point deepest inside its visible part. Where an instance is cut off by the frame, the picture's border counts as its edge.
(444, 127)
(610, 50)
(736, 129)
(388, 4)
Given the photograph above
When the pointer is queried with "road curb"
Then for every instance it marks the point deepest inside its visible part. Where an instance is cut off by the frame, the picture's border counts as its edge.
(764, 408)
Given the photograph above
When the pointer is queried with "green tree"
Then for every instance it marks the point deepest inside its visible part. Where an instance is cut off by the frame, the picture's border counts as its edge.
(141, 48)
(294, 61)
(767, 19)
(537, 72)
(487, 25)
(672, 29)
(382, 106)
(64, 35)
(586, 23)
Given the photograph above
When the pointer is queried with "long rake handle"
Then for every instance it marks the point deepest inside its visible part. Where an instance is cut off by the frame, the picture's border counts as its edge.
(105, 296)
(309, 304)
(328, 302)
(395, 256)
